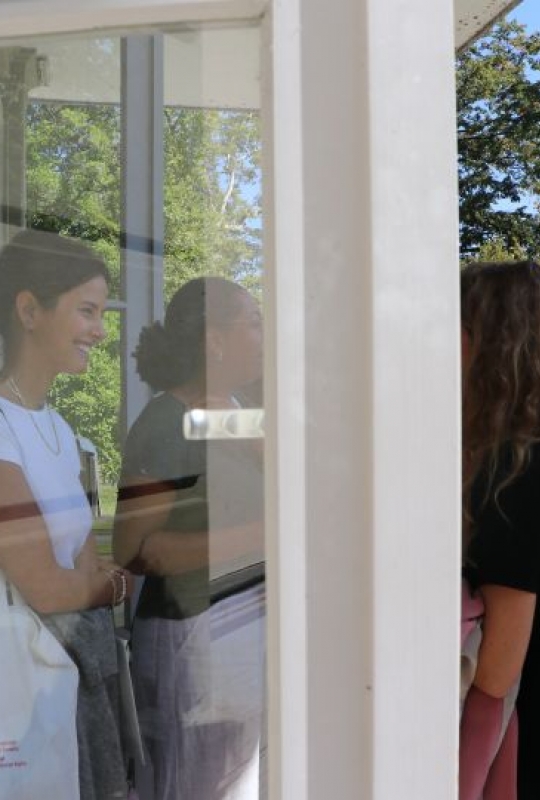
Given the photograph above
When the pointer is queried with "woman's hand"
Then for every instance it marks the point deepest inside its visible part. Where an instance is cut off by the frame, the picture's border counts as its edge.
(120, 582)
(88, 561)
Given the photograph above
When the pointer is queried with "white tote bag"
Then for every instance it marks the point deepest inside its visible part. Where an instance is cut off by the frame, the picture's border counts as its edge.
(38, 707)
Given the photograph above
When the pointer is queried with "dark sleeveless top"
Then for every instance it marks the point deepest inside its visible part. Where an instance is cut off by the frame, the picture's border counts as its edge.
(505, 550)
(157, 449)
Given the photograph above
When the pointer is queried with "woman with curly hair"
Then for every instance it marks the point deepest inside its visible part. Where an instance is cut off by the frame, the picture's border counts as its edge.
(501, 485)
(198, 659)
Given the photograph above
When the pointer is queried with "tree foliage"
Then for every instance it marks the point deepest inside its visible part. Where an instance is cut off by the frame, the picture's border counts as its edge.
(498, 118)
(73, 174)
(90, 401)
(212, 204)
(211, 211)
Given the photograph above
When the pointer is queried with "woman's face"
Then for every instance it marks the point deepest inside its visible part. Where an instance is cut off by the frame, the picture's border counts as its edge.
(65, 334)
(242, 344)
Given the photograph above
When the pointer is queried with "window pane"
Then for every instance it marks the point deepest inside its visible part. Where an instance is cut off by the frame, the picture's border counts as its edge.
(135, 161)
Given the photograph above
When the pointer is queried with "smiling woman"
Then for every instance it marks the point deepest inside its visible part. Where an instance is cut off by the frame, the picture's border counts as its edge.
(64, 335)
(52, 297)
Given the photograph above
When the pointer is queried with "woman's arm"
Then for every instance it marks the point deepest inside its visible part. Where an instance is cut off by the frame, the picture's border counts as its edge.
(142, 543)
(88, 560)
(143, 508)
(169, 553)
(27, 557)
(508, 619)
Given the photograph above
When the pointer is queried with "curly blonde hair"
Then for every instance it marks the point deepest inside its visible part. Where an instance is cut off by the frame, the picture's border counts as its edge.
(500, 311)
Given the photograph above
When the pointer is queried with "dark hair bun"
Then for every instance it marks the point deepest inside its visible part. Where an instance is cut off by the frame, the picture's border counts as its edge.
(154, 355)
(169, 355)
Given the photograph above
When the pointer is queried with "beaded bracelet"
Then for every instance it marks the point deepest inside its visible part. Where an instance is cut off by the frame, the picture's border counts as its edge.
(123, 589)
(112, 575)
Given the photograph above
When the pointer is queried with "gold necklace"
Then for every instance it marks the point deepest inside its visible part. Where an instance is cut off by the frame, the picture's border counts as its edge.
(17, 393)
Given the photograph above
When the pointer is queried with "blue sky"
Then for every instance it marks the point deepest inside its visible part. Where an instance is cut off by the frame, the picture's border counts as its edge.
(528, 12)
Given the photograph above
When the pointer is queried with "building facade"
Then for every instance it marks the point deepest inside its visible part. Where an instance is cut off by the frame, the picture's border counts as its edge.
(361, 374)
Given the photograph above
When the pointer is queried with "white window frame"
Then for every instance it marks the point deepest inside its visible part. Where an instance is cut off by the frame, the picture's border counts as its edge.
(362, 382)
(37, 17)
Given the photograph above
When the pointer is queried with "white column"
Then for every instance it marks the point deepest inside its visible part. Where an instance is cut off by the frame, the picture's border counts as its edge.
(416, 399)
(363, 485)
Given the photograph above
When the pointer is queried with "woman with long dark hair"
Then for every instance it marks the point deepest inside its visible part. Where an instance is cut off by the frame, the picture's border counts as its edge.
(501, 488)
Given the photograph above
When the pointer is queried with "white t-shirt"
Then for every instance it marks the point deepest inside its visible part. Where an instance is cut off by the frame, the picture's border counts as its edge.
(53, 478)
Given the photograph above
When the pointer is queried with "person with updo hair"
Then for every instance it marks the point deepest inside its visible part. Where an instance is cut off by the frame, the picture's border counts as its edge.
(53, 292)
(500, 314)
(189, 509)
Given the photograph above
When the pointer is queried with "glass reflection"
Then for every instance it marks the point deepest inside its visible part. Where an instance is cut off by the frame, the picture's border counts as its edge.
(190, 510)
(190, 519)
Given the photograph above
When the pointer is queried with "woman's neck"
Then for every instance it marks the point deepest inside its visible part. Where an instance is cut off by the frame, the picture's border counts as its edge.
(26, 389)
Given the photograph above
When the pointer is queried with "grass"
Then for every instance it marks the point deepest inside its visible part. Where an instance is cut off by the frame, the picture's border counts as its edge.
(102, 526)
(104, 546)
(107, 496)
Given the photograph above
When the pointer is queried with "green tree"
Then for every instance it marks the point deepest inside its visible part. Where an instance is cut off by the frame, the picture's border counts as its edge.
(73, 175)
(212, 195)
(212, 221)
(73, 188)
(498, 117)
(90, 402)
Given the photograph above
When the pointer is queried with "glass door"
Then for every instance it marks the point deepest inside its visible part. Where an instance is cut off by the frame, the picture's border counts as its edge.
(142, 152)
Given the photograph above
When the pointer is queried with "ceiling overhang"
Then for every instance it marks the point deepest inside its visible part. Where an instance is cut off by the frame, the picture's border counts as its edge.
(472, 17)
(204, 67)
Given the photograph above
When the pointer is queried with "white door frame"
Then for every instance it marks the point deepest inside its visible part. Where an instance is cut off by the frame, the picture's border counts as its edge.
(362, 382)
